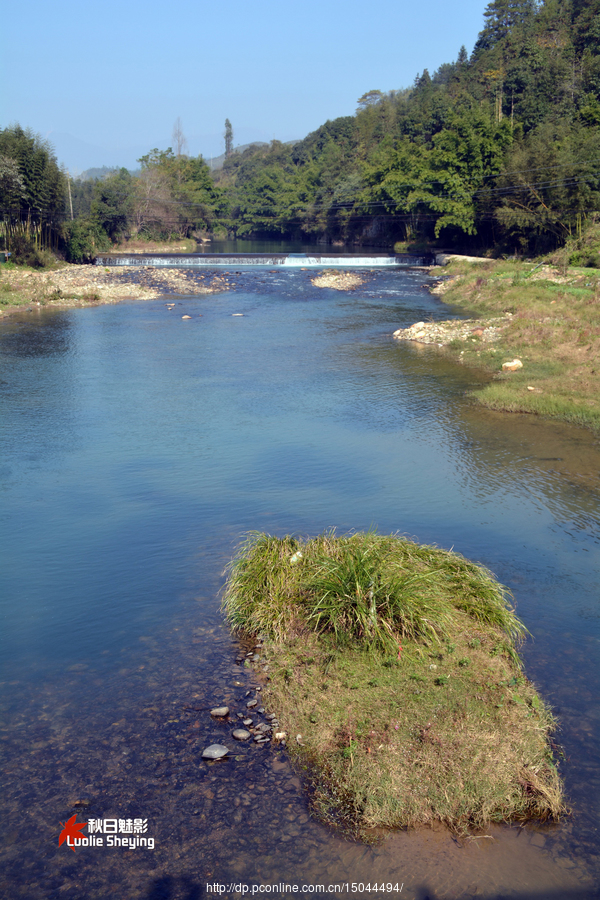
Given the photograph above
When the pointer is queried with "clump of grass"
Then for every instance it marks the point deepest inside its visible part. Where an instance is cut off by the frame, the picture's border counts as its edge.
(259, 595)
(369, 587)
(397, 665)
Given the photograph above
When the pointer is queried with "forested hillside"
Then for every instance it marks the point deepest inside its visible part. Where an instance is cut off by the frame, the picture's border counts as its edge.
(502, 149)
(496, 151)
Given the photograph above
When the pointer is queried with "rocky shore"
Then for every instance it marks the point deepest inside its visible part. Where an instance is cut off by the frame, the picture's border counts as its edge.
(443, 333)
(89, 285)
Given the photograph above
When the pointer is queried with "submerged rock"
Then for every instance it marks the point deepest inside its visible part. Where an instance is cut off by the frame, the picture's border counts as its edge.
(215, 751)
(240, 734)
(220, 711)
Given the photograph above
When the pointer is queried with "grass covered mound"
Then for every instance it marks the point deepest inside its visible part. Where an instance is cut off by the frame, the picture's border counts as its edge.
(554, 330)
(394, 671)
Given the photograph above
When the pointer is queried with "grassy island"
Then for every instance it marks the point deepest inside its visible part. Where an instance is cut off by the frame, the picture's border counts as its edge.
(393, 669)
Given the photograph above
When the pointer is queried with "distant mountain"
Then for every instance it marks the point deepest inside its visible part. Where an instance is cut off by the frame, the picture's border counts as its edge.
(78, 156)
(101, 172)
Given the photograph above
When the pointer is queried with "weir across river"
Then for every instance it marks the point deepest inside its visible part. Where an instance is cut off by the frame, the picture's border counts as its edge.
(286, 260)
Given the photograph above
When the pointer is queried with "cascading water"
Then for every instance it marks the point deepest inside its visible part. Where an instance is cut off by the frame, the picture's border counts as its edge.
(266, 259)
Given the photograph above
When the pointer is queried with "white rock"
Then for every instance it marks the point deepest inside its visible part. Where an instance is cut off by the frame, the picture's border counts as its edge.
(512, 366)
(220, 711)
(215, 751)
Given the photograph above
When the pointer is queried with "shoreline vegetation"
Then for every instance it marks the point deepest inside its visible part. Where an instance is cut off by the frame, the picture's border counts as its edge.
(393, 669)
(541, 316)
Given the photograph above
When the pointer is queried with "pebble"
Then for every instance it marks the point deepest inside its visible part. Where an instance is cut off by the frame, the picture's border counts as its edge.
(251, 704)
(240, 734)
(215, 751)
(248, 721)
(220, 711)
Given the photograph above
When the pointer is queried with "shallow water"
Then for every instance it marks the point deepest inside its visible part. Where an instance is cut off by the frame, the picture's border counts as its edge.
(137, 448)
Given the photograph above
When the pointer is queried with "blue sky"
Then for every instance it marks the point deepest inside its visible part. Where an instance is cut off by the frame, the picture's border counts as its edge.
(106, 82)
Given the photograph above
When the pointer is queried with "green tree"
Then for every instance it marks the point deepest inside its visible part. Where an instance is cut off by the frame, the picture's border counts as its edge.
(112, 204)
(32, 191)
(228, 138)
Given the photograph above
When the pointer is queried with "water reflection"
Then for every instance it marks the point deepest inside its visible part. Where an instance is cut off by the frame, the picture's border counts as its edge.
(157, 443)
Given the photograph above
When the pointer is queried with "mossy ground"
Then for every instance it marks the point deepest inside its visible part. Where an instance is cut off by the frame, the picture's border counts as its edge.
(554, 331)
(396, 720)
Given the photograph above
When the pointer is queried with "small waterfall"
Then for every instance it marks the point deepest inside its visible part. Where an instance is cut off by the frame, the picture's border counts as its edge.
(291, 260)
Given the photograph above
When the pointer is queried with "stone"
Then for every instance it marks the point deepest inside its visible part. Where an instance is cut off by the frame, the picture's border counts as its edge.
(220, 711)
(251, 704)
(512, 366)
(215, 751)
(240, 734)
(247, 722)
(186, 317)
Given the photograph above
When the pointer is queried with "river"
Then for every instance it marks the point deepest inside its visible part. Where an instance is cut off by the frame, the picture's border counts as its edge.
(137, 448)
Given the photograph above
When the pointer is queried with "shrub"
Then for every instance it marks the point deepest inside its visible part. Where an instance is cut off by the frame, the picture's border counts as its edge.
(84, 239)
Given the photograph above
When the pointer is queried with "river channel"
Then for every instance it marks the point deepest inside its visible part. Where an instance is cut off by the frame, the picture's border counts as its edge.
(137, 448)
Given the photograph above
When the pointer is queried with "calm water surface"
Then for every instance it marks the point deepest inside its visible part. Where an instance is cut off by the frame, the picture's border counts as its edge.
(136, 449)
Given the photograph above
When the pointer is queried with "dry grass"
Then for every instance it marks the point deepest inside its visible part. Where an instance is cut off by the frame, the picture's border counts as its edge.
(423, 725)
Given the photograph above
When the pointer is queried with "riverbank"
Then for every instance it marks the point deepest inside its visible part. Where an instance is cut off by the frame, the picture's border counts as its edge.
(88, 285)
(395, 678)
(544, 317)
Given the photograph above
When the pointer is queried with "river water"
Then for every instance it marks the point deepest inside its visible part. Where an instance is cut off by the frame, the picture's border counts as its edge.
(137, 447)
